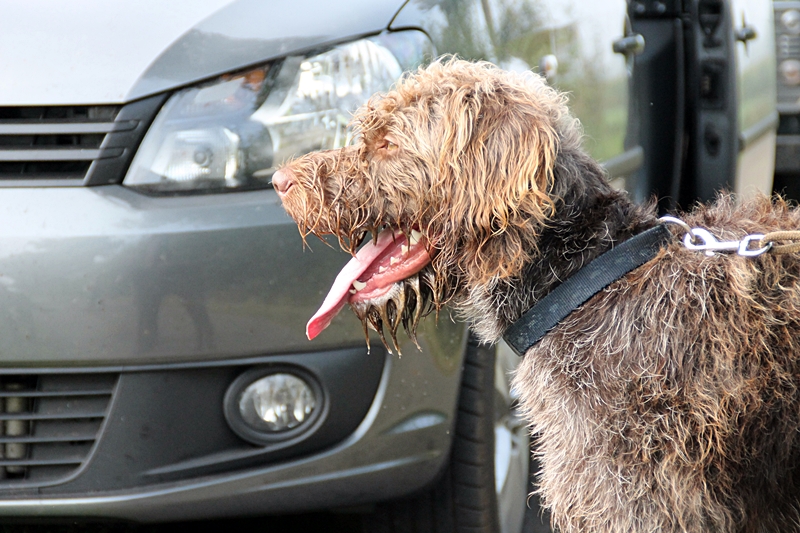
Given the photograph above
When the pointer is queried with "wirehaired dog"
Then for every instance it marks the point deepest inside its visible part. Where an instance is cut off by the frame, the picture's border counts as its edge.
(670, 400)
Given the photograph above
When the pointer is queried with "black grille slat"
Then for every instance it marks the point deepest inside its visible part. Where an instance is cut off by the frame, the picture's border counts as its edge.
(45, 394)
(58, 453)
(66, 113)
(54, 416)
(76, 429)
(59, 142)
(75, 382)
(72, 406)
(75, 459)
(41, 142)
(49, 424)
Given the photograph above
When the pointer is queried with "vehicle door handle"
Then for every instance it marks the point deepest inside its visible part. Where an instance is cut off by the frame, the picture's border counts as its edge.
(746, 33)
(632, 44)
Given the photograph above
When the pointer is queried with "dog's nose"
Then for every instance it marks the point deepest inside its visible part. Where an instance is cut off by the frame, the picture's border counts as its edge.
(281, 182)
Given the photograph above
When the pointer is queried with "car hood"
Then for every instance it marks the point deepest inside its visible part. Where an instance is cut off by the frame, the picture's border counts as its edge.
(94, 52)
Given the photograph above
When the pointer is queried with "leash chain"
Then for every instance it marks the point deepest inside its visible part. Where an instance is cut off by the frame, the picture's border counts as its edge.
(701, 240)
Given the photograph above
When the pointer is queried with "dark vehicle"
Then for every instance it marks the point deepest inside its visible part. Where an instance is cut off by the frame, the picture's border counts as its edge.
(787, 41)
(153, 363)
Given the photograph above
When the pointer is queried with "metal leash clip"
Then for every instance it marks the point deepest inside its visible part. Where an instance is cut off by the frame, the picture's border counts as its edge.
(709, 244)
(701, 240)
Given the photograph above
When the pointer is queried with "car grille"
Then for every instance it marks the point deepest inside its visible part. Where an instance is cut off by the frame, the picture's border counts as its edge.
(71, 145)
(54, 143)
(49, 424)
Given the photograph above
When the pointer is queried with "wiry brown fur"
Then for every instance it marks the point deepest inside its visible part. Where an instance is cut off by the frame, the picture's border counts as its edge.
(670, 401)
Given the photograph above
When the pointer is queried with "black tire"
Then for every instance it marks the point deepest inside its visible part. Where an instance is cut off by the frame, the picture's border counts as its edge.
(466, 498)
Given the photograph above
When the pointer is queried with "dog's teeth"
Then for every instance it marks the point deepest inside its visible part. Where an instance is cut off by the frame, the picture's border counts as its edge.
(382, 269)
(393, 261)
(415, 237)
(404, 249)
(353, 291)
(358, 285)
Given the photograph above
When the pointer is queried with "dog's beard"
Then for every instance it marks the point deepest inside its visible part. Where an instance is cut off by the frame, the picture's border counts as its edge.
(406, 303)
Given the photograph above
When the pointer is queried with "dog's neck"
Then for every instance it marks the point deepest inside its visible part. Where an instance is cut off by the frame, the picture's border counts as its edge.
(590, 217)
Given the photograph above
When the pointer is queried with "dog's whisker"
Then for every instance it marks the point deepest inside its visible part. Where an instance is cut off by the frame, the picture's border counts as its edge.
(362, 317)
(418, 306)
(303, 234)
(386, 321)
(393, 320)
(400, 309)
(359, 239)
(413, 308)
(375, 318)
(431, 283)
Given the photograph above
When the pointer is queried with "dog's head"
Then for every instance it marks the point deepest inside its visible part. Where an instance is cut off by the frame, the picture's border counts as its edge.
(449, 175)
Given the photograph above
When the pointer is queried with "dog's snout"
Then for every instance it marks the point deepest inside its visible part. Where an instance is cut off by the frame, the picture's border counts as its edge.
(282, 182)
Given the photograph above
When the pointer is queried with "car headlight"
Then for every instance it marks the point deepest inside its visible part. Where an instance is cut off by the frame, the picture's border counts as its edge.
(231, 133)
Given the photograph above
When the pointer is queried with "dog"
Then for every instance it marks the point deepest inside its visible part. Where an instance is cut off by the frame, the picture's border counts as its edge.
(670, 399)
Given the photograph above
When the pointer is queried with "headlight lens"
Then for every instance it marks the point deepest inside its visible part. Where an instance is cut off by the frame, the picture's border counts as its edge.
(230, 134)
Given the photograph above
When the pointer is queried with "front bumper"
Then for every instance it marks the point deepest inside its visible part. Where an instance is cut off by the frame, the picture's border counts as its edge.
(176, 297)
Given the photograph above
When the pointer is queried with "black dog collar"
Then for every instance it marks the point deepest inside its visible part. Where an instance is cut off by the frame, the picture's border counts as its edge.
(585, 283)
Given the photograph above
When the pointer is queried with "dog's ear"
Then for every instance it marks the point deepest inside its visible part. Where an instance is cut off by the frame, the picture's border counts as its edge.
(498, 149)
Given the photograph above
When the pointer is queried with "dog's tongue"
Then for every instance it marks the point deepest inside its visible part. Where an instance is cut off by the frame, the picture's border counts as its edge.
(375, 252)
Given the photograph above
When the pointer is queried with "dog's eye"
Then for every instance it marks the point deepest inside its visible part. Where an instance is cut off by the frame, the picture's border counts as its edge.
(386, 144)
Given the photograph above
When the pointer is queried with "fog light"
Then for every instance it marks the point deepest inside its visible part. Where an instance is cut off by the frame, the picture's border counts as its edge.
(277, 402)
(270, 404)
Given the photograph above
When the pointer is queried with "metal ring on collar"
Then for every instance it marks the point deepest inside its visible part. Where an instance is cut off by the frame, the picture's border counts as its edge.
(683, 225)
